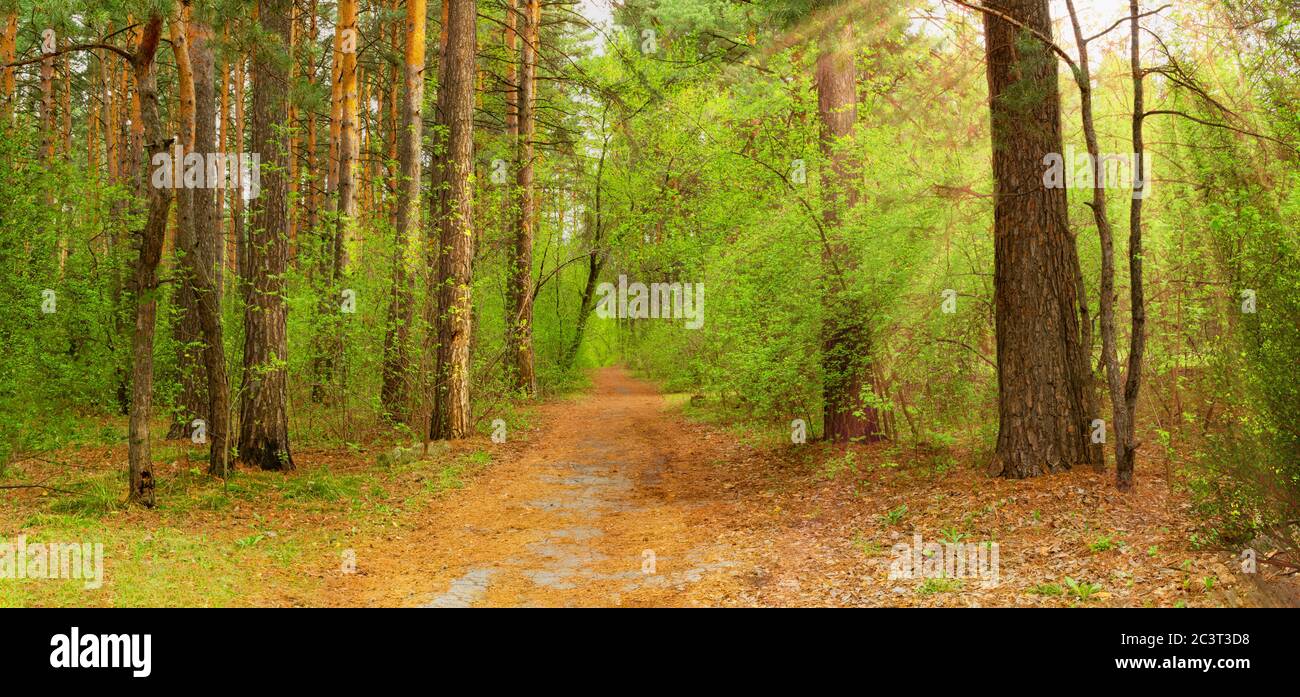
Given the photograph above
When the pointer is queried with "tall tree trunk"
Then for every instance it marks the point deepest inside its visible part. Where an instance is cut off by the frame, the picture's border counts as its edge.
(1041, 380)
(511, 40)
(345, 146)
(193, 399)
(8, 53)
(263, 416)
(1101, 217)
(312, 180)
(519, 287)
(238, 247)
(223, 145)
(1123, 387)
(595, 263)
(594, 223)
(144, 283)
(846, 337)
(110, 116)
(1126, 449)
(450, 417)
(67, 108)
(47, 101)
(349, 144)
(292, 220)
(438, 167)
(205, 243)
(395, 93)
(397, 354)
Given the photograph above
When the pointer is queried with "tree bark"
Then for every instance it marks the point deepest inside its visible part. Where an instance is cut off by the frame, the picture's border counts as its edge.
(1041, 382)
(47, 105)
(144, 282)
(238, 234)
(264, 422)
(1137, 300)
(519, 286)
(450, 417)
(193, 400)
(312, 181)
(206, 241)
(349, 145)
(397, 354)
(595, 263)
(345, 147)
(846, 336)
(8, 53)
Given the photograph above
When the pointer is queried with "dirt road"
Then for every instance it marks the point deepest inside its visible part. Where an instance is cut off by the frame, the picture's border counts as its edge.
(615, 499)
(609, 504)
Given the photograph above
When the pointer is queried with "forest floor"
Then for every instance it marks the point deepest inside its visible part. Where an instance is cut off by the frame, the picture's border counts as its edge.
(616, 498)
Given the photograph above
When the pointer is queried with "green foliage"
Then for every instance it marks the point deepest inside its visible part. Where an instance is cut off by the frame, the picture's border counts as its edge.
(894, 516)
(322, 486)
(1104, 543)
(1245, 479)
(1081, 590)
(1051, 589)
(61, 251)
(932, 586)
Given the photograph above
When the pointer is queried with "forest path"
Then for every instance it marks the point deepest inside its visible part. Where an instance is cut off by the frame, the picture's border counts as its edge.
(615, 499)
(608, 504)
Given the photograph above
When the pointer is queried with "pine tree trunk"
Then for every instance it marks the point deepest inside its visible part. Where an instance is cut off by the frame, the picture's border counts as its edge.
(312, 180)
(345, 146)
(238, 248)
(1126, 450)
(263, 416)
(47, 105)
(1041, 381)
(144, 283)
(8, 53)
(519, 327)
(450, 417)
(206, 241)
(292, 217)
(594, 222)
(397, 354)
(349, 143)
(193, 399)
(438, 168)
(846, 337)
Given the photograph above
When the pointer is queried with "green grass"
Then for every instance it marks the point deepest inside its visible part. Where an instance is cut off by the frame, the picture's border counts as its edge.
(452, 475)
(321, 486)
(1052, 589)
(867, 546)
(1081, 590)
(895, 516)
(932, 586)
(952, 536)
(833, 467)
(219, 543)
(1104, 543)
(96, 498)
